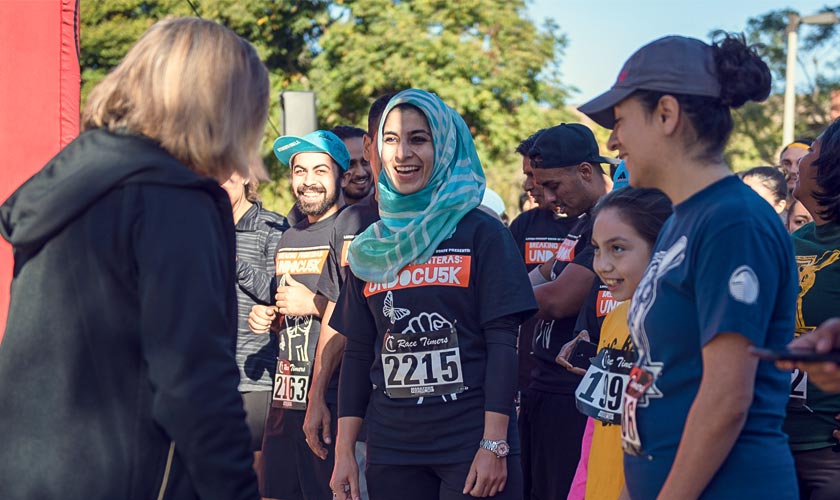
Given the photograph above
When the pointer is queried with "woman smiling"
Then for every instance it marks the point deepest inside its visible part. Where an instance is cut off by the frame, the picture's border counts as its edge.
(430, 361)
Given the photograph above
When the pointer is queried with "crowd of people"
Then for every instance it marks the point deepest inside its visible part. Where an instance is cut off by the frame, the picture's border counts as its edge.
(630, 335)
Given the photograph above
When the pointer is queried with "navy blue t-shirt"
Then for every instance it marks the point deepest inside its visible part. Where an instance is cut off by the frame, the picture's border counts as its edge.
(551, 335)
(474, 277)
(723, 262)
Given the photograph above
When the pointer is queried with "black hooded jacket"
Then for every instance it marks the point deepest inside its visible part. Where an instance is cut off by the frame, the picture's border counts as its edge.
(117, 371)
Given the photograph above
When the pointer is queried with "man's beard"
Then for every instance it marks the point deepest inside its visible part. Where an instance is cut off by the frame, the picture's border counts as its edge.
(353, 192)
(316, 209)
(350, 194)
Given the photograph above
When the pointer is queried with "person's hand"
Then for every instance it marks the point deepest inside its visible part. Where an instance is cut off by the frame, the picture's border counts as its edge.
(293, 298)
(345, 477)
(836, 432)
(487, 476)
(545, 268)
(565, 353)
(317, 419)
(261, 317)
(823, 374)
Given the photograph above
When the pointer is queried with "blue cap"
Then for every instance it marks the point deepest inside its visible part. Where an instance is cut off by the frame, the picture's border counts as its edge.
(673, 65)
(621, 178)
(320, 141)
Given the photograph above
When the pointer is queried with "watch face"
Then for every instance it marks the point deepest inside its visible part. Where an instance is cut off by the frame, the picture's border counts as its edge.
(502, 449)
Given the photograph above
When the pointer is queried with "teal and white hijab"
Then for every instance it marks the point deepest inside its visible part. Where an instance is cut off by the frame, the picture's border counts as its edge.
(412, 226)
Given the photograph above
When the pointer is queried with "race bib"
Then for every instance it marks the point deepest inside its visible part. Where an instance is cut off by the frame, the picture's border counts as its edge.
(798, 388)
(600, 393)
(798, 381)
(291, 384)
(639, 382)
(422, 364)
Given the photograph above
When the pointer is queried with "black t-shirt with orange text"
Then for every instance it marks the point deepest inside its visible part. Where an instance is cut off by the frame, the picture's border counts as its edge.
(302, 253)
(598, 304)
(539, 233)
(550, 335)
(427, 404)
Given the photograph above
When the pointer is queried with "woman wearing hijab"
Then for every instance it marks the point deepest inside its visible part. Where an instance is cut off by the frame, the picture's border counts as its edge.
(430, 362)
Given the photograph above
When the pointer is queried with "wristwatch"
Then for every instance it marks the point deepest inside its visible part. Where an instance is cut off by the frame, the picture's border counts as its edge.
(500, 448)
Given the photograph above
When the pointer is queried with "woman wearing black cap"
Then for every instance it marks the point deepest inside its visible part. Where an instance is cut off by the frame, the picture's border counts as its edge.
(702, 418)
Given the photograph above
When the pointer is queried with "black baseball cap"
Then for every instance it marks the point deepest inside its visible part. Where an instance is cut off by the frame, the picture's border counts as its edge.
(565, 145)
(674, 64)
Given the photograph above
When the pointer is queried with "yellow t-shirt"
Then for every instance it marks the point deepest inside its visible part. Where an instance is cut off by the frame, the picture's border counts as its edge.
(605, 470)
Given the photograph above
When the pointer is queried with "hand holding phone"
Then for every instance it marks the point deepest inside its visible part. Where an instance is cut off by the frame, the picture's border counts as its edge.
(796, 355)
(570, 350)
(582, 353)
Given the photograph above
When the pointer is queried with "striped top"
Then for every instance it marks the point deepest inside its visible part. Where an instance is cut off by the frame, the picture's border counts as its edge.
(258, 233)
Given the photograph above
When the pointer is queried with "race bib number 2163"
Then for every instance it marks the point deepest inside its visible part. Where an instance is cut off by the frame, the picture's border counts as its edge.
(291, 384)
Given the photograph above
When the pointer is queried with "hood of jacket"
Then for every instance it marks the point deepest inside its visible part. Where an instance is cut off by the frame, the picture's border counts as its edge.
(96, 162)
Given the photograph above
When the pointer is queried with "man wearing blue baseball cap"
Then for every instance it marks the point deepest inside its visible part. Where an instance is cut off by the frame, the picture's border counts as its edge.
(301, 155)
(316, 163)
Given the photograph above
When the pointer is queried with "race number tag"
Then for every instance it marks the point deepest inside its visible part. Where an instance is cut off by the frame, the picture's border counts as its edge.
(422, 364)
(599, 394)
(639, 382)
(798, 388)
(291, 384)
(798, 379)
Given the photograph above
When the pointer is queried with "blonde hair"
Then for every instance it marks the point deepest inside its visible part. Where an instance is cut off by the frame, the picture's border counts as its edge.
(196, 88)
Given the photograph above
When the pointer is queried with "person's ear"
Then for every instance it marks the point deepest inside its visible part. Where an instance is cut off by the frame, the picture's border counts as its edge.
(667, 114)
(585, 171)
(367, 142)
(781, 206)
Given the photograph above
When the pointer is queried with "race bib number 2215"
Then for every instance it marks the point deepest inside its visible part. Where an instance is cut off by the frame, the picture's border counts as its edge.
(422, 364)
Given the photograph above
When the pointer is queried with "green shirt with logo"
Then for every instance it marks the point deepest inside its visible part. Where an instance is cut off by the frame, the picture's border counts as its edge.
(811, 424)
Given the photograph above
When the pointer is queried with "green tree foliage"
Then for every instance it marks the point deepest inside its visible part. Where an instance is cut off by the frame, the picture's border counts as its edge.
(758, 127)
(484, 58)
(282, 33)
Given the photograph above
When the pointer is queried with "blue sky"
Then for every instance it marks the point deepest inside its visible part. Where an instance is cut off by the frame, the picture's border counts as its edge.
(603, 33)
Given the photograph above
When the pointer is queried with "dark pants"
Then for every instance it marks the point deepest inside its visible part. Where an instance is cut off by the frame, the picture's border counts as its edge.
(434, 482)
(818, 473)
(551, 429)
(256, 411)
(290, 470)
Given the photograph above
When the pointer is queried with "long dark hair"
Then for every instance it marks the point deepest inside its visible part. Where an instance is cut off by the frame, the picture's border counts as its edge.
(828, 173)
(644, 209)
(743, 76)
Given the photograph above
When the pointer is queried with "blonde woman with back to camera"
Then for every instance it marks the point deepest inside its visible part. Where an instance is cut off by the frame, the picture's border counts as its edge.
(117, 366)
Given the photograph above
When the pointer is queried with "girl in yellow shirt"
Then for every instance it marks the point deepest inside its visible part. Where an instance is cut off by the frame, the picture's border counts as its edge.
(626, 224)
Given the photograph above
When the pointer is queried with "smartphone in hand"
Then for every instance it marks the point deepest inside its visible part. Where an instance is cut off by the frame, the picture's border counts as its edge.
(582, 352)
(801, 355)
